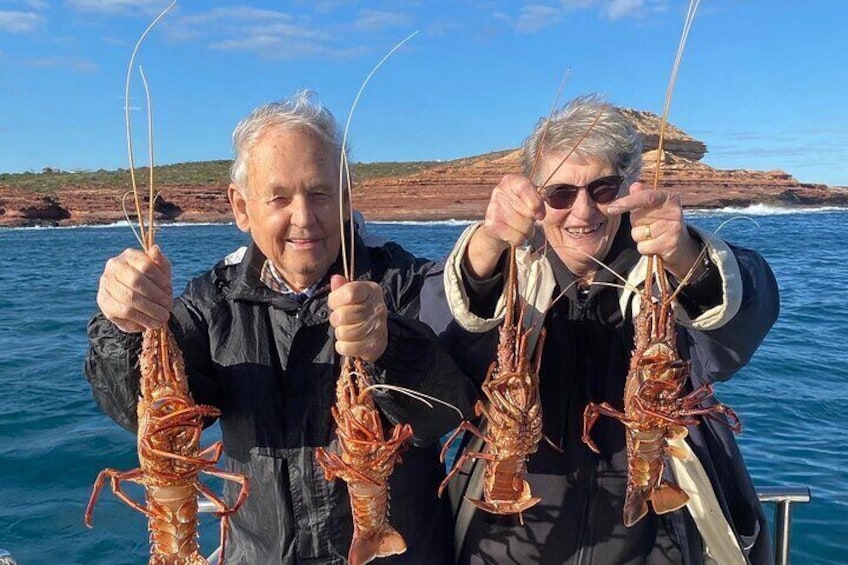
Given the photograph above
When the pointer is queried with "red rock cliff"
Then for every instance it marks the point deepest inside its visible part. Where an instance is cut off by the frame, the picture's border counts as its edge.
(451, 190)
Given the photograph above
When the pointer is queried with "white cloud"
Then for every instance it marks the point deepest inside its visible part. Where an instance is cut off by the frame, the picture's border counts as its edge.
(634, 8)
(625, 8)
(443, 27)
(376, 20)
(119, 6)
(577, 4)
(40, 5)
(265, 32)
(68, 63)
(238, 13)
(242, 23)
(536, 17)
(280, 35)
(326, 6)
(20, 22)
(277, 47)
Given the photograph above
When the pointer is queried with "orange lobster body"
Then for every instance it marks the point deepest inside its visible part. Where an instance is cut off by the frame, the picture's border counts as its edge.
(512, 412)
(365, 462)
(169, 428)
(655, 411)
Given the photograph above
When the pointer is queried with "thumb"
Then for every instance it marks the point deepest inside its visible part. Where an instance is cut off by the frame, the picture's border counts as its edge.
(337, 281)
(636, 188)
(157, 256)
(161, 261)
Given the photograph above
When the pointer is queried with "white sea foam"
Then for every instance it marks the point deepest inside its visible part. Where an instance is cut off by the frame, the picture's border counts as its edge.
(123, 224)
(422, 222)
(763, 210)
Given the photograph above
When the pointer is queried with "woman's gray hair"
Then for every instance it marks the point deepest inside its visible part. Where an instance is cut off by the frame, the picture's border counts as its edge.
(303, 110)
(613, 139)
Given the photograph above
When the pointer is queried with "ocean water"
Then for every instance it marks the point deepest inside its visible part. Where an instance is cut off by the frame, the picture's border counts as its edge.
(792, 398)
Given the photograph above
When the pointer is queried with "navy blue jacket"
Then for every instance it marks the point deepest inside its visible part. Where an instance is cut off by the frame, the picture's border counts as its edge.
(586, 359)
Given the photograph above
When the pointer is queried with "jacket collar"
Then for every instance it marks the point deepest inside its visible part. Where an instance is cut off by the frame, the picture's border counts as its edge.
(247, 285)
(621, 257)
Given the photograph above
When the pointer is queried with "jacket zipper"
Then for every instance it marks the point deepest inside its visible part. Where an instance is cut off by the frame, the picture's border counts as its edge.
(585, 525)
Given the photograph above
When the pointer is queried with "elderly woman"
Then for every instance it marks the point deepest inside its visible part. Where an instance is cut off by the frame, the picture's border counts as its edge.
(575, 214)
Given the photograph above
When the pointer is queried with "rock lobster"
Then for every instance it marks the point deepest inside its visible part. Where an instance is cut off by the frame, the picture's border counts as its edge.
(169, 425)
(365, 462)
(366, 457)
(512, 412)
(654, 410)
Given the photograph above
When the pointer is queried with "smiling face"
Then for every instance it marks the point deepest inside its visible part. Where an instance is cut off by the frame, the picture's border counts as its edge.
(291, 203)
(585, 229)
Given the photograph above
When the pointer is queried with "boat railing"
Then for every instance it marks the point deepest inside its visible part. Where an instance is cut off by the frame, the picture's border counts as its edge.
(782, 497)
(206, 505)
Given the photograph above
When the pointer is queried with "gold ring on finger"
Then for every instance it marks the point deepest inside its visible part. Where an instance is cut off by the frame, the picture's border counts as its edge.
(648, 231)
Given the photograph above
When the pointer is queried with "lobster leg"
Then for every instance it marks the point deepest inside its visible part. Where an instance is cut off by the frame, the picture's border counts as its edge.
(223, 511)
(244, 491)
(215, 451)
(460, 463)
(677, 419)
(334, 466)
(731, 420)
(196, 461)
(590, 416)
(697, 396)
(117, 477)
(464, 426)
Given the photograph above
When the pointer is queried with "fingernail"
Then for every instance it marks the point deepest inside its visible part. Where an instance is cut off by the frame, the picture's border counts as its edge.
(615, 209)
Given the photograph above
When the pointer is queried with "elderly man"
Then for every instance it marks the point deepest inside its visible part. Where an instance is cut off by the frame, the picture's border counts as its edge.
(261, 331)
(576, 213)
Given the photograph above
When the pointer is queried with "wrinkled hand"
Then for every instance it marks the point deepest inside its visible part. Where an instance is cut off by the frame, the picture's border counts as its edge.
(656, 218)
(135, 290)
(359, 318)
(514, 208)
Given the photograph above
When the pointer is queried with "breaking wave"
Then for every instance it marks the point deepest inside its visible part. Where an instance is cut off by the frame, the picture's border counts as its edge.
(422, 222)
(763, 210)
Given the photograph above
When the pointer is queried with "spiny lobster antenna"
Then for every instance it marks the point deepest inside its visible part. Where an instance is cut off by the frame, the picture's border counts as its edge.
(541, 145)
(703, 253)
(344, 171)
(690, 16)
(145, 234)
(512, 300)
(151, 198)
(576, 145)
(419, 396)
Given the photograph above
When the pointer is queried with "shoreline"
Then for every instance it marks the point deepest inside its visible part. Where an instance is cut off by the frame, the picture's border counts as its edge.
(758, 209)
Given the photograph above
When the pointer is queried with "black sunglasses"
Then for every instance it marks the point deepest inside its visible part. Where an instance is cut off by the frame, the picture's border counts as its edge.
(602, 190)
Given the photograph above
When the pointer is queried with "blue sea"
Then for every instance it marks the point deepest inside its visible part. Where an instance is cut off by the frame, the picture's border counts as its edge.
(792, 398)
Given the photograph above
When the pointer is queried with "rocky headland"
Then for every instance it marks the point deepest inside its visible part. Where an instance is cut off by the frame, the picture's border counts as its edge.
(437, 191)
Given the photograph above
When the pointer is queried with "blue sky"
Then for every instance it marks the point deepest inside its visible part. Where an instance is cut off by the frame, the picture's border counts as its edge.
(762, 83)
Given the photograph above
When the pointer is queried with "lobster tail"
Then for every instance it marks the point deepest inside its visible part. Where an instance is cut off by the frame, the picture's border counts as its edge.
(173, 525)
(373, 536)
(668, 498)
(635, 505)
(383, 542)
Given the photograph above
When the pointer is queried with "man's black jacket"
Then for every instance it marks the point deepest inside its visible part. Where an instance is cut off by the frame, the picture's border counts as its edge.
(268, 363)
